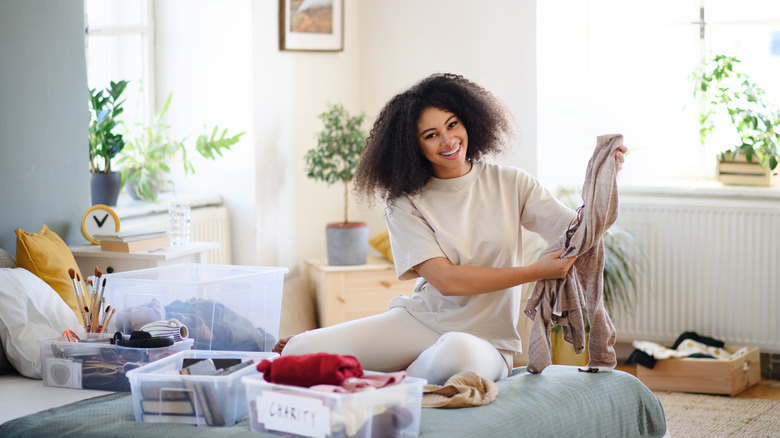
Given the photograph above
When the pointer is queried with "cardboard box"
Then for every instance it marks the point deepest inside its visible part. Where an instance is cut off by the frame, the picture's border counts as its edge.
(161, 394)
(708, 376)
(295, 411)
(225, 307)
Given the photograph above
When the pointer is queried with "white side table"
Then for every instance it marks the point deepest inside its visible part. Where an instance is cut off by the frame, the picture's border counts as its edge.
(89, 256)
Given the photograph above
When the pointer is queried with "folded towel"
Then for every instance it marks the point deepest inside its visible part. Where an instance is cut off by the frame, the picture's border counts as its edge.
(459, 391)
(310, 369)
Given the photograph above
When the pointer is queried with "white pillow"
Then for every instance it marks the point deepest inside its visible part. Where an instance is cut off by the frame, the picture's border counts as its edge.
(30, 310)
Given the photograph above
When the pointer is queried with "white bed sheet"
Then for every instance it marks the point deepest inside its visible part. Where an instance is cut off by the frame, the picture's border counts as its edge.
(20, 396)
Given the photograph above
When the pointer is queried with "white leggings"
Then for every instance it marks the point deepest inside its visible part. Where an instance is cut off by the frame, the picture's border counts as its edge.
(394, 341)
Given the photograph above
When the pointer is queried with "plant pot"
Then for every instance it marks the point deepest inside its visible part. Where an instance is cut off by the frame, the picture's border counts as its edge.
(105, 187)
(563, 352)
(347, 243)
(739, 172)
(155, 185)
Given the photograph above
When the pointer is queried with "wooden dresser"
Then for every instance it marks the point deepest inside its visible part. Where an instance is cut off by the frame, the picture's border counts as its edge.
(345, 293)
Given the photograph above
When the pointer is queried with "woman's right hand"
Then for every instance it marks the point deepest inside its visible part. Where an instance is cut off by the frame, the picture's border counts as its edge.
(552, 266)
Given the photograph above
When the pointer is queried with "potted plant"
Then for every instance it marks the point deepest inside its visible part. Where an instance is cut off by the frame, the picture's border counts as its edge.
(334, 160)
(145, 156)
(728, 91)
(105, 142)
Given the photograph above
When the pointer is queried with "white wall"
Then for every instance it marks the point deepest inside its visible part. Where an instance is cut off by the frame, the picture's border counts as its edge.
(222, 61)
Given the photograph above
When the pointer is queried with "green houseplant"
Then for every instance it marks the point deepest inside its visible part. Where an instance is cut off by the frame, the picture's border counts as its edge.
(727, 91)
(105, 141)
(334, 160)
(145, 156)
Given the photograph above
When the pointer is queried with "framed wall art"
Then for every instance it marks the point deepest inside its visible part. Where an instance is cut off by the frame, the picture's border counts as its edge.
(311, 25)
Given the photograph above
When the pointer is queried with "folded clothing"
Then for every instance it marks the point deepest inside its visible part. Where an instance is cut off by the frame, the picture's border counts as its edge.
(686, 348)
(461, 390)
(307, 370)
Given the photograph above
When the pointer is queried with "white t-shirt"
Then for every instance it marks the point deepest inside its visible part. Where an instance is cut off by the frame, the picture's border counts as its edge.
(472, 220)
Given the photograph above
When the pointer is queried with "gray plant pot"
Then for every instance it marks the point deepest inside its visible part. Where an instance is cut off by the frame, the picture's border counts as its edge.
(105, 187)
(347, 243)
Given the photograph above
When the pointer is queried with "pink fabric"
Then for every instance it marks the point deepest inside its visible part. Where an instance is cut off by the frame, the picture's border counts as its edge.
(368, 381)
(560, 301)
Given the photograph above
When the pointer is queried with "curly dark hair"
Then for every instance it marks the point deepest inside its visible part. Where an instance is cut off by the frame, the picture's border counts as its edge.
(392, 163)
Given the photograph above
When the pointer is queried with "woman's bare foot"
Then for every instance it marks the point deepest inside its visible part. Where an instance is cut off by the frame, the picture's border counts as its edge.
(280, 345)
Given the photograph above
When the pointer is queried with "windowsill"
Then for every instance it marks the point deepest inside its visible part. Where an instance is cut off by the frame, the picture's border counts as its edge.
(128, 208)
(699, 189)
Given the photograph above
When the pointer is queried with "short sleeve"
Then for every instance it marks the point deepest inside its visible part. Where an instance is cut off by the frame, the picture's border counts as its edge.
(543, 213)
(412, 239)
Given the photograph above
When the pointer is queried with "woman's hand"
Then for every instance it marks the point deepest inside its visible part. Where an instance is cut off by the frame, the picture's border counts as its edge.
(621, 155)
(551, 266)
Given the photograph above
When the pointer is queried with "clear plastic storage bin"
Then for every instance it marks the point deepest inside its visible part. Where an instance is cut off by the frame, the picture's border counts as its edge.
(161, 394)
(291, 410)
(225, 307)
(97, 365)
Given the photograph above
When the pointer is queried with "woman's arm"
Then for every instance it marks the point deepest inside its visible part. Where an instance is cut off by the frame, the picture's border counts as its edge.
(454, 280)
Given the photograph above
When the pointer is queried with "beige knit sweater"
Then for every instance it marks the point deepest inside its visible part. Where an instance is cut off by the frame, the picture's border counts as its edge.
(560, 301)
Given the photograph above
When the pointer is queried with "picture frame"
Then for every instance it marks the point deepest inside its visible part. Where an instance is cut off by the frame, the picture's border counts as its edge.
(311, 25)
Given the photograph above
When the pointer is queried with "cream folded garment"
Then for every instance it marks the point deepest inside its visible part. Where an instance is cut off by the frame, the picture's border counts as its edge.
(459, 391)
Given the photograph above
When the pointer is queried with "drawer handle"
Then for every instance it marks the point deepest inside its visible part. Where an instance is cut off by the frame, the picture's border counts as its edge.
(385, 283)
(341, 299)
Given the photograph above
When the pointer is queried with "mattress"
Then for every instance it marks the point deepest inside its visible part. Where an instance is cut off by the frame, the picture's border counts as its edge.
(561, 401)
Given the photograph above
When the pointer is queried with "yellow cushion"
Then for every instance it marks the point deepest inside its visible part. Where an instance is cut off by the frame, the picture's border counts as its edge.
(381, 243)
(49, 258)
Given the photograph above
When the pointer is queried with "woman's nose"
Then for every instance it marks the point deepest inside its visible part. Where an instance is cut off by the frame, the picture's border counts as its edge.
(446, 140)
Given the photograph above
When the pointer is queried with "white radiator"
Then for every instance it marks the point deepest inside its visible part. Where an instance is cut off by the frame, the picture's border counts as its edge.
(711, 266)
(209, 224)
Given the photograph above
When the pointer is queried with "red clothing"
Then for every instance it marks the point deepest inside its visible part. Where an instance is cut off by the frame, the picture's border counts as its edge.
(310, 369)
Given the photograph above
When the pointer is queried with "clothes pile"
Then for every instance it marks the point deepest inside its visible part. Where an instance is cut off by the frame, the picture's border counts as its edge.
(688, 344)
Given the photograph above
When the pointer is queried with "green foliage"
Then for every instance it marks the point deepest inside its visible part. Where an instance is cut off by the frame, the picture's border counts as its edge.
(104, 142)
(726, 90)
(146, 155)
(339, 146)
(623, 262)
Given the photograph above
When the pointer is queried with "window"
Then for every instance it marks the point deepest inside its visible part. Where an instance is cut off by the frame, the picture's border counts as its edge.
(119, 46)
(611, 66)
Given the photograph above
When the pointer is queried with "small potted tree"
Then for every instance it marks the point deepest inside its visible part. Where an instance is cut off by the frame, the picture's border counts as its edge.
(334, 160)
(730, 94)
(146, 155)
(105, 142)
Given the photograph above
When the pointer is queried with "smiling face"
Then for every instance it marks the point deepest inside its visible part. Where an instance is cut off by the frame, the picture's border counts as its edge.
(443, 140)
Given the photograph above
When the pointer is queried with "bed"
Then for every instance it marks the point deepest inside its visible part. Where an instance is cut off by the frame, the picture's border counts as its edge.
(559, 402)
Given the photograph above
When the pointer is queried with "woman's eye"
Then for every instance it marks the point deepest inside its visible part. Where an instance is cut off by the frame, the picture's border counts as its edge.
(430, 136)
(452, 124)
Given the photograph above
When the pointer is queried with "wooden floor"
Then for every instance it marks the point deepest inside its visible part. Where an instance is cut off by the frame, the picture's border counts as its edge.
(766, 389)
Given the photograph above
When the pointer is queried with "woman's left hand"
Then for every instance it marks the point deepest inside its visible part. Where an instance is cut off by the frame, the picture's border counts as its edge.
(621, 156)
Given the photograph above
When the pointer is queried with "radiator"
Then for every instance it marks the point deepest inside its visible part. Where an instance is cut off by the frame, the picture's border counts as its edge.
(710, 265)
(209, 224)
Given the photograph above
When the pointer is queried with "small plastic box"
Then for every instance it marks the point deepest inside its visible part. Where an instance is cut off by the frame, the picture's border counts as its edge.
(161, 394)
(225, 307)
(291, 410)
(97, 365)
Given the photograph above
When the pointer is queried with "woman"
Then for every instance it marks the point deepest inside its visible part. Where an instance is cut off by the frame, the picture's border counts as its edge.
(455, 225)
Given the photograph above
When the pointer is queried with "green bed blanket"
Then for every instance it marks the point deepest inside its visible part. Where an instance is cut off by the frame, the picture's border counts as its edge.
(560, 402)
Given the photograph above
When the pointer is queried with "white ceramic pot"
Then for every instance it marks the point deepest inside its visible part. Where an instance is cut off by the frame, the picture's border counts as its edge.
(172, 327)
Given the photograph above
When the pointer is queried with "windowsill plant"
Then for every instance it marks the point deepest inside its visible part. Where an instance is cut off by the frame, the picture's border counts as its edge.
(729, 92)
(145, 157)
